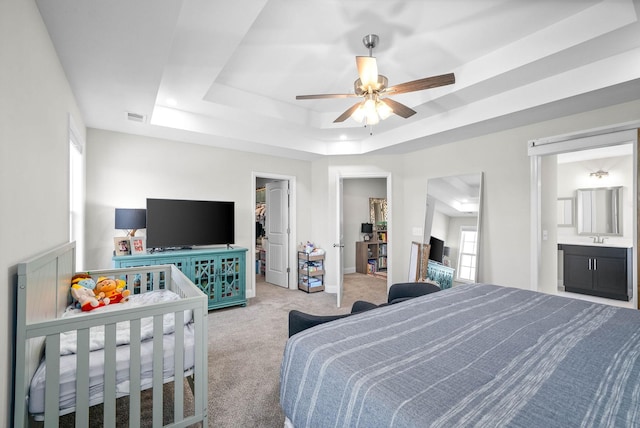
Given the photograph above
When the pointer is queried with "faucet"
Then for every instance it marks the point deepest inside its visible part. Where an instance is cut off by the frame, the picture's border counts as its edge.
(598, 239)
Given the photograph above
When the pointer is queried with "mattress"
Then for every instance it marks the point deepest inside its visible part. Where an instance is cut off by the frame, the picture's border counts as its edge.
(96, 356)
(474, 355)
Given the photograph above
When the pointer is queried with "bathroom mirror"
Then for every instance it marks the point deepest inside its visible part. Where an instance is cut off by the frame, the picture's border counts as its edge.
(600, 211)
(565, 212)
(378, 210)
(453, 216)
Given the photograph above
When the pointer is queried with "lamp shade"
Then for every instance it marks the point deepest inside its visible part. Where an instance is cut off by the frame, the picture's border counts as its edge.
(446, 251)
(131, 218)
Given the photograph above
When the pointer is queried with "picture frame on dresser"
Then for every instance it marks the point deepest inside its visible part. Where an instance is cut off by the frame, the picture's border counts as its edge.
(122, 246)
(138, 245)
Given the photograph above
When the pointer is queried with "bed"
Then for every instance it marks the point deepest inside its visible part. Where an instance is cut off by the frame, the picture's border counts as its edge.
(67, 361)
(474, 355)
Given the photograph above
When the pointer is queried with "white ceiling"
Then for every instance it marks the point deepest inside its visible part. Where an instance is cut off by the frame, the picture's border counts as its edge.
(226, 74)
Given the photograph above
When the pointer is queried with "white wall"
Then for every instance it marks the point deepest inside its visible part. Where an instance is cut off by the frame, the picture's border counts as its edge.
(169, 169)
(440, 226)
(355, 195)
(35, 103)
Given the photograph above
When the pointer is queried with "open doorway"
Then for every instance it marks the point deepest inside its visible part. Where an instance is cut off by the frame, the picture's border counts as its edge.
(596, 217)
(365, 243)
(272, 243)
(557, 180)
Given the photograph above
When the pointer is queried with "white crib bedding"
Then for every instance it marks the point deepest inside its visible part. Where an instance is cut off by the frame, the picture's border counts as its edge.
(96, 358)
(96, 338)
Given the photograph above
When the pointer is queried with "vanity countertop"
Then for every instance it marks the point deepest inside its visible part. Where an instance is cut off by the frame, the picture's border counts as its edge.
(615, 243)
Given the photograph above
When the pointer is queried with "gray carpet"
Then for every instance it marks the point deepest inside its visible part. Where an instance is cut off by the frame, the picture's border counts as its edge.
(246, 347)
(245, 351)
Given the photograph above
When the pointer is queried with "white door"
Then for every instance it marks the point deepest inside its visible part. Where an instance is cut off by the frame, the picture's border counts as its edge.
(339, 245)
(277, 233)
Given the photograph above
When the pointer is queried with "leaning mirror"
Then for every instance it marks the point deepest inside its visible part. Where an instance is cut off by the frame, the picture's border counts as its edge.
(600, 211)
(378, 211)
(452, 229)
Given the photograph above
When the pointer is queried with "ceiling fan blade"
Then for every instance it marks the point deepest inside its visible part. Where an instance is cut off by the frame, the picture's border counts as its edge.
(420, 84)
(347, 114)
(367, 70)
(318, 96)
(398, 108)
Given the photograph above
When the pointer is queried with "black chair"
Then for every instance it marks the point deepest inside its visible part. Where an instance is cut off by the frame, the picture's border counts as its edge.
(300, 321)
(408, 290)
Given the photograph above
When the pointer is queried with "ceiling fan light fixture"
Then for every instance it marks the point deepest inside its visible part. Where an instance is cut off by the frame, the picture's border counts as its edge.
(358, 114)
(383, 110)
(372, 118)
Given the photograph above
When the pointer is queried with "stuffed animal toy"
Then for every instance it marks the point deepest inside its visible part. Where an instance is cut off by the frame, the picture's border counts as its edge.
(82, 277)
(86, 298)
(113, 289)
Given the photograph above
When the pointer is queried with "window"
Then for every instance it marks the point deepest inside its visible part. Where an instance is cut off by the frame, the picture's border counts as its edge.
(467, 256)
(76, 192)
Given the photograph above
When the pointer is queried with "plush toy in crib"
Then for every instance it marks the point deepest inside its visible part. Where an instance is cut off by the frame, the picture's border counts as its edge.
(113, 289)
(82, 286)
(86, 298)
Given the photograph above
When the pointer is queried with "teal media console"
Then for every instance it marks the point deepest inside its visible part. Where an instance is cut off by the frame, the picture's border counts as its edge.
(218, 272)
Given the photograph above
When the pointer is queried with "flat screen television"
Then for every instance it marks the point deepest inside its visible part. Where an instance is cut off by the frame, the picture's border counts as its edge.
(436, 253)
(176, 223)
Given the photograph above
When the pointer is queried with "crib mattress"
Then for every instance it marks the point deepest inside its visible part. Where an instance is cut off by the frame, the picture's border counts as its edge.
(96, 380)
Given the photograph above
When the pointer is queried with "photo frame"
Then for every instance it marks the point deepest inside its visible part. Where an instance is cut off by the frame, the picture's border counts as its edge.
(138, 245)
(122, 245)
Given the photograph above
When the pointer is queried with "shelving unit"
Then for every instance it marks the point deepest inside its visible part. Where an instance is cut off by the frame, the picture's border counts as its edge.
(310, 272)
(371, 256)
(219, 273)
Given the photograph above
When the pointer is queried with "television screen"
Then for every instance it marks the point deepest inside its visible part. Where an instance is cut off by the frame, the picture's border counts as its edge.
(436, 253)
(183, 223)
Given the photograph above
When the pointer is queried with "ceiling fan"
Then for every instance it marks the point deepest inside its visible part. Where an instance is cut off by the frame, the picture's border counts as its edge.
(372, 86)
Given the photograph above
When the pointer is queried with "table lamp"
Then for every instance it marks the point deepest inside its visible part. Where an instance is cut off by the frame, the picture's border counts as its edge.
(131, 219)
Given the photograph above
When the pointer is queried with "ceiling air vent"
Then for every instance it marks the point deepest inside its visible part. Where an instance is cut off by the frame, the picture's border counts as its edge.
(135, 117)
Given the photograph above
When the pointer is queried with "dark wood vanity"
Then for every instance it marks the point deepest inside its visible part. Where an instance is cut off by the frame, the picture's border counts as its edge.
(597, 270)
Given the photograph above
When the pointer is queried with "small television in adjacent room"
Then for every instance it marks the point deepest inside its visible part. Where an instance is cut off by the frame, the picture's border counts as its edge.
(366, 228)
(436, 253)
(176, 223)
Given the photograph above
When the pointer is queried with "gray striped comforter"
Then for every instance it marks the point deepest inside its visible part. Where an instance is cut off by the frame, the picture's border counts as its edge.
(476, 355)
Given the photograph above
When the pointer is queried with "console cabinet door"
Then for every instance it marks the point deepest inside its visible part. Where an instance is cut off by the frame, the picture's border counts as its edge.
(230, 281)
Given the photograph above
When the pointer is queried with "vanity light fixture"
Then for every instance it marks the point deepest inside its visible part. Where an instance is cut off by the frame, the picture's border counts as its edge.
(599, 174)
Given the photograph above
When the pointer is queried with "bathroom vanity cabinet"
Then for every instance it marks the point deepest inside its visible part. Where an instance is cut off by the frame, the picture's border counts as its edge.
(597, 270)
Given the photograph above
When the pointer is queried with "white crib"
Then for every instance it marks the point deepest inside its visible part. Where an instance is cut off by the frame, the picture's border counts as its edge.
(43, 295)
